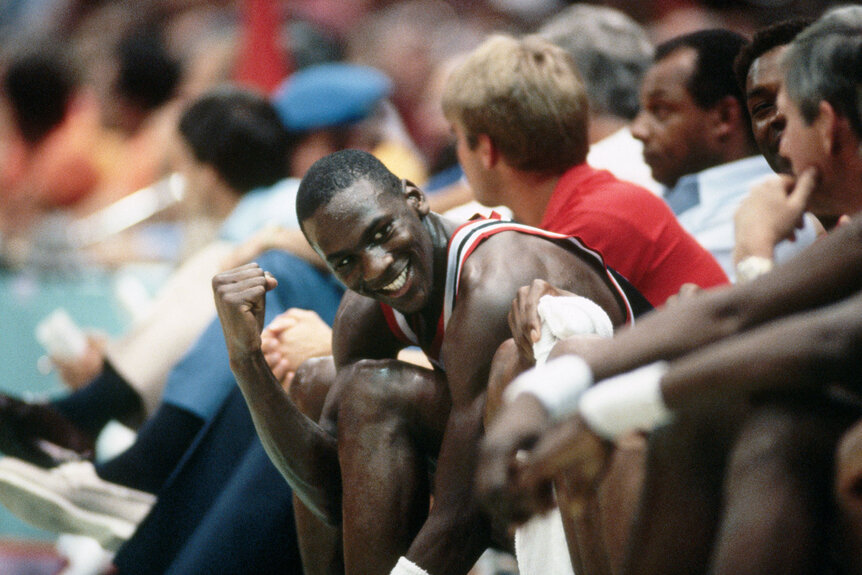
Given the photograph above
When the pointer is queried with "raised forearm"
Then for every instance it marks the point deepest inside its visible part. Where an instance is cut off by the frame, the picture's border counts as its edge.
(300, 449)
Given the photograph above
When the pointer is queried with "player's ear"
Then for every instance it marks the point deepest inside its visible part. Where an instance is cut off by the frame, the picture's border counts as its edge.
(415, 197)
(488, 151)
(727, 114)
(829, 127)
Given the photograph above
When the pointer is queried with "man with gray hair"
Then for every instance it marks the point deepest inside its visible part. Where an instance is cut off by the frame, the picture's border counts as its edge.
(612, 52)
(750, 453)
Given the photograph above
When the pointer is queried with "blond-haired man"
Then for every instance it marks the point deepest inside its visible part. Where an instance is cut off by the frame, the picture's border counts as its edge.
(519, 112)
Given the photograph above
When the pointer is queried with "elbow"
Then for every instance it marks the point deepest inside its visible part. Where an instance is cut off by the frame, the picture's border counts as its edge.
(327, 512)
(323, 501)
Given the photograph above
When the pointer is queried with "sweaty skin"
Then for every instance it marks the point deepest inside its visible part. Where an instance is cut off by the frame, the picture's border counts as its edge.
(723, 343)
(384, 418)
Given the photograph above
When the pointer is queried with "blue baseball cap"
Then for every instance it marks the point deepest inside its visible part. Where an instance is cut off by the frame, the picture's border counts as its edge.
(328, 95)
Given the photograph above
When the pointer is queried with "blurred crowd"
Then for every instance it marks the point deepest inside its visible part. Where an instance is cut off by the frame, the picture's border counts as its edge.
(92, 90)
(328, 371)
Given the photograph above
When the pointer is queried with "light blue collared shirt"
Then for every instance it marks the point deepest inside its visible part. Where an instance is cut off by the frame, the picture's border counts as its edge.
(275, 205)
(720, 191)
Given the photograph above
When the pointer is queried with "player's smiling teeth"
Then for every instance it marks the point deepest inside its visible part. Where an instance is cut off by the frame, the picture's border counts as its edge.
(398, 282)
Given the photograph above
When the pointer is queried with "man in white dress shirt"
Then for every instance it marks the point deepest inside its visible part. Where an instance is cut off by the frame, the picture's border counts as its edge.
(698, 141)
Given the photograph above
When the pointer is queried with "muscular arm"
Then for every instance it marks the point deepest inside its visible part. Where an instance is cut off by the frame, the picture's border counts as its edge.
(301, 450)
(807, 350)
(456, 531)
(476, 328)
(824, 273)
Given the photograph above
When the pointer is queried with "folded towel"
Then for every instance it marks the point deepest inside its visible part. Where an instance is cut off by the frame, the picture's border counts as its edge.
(565, 316)
(540, 544)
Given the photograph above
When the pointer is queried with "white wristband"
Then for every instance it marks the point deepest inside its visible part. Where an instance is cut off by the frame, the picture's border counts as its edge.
(406, 567)
(753, 267)
(626, 402)
(557, 385)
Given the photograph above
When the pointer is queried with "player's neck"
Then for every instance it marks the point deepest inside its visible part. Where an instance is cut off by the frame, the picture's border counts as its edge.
(530, 200)
(440, 229)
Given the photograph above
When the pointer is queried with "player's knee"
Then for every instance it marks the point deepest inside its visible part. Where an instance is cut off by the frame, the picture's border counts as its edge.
(372, 388)
(311, 383)
(384, 389)
(784, 441)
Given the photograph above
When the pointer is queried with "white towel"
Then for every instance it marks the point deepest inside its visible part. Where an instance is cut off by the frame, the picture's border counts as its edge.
(540, 543)
(565, 316)
(541, 547)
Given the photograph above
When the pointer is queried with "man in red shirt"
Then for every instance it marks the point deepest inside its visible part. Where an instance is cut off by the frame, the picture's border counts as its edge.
(519, 113)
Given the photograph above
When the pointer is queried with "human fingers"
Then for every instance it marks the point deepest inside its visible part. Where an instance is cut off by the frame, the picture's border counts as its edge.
(803, 188)
(572, 449)
(268, 341)
(299, 314)
(78, 372)
(238, 280)
(502, 493)
(280, 324)
(287, 380)
(686, 291)
(511, 434)
(308, 336)
(524, 321)
(280, 368)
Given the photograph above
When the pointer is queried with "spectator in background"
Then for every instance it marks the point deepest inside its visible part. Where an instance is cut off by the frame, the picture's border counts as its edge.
(50, 139)
(141, 106)
(230, 143)
(697, 137)
(59, 181)
(759, 75)
(336, 105)
(612, 53)
(410, 40)
(759, 72)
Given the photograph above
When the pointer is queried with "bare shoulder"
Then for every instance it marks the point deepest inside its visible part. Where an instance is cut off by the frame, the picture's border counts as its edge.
(515, 257)
(509, 260)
